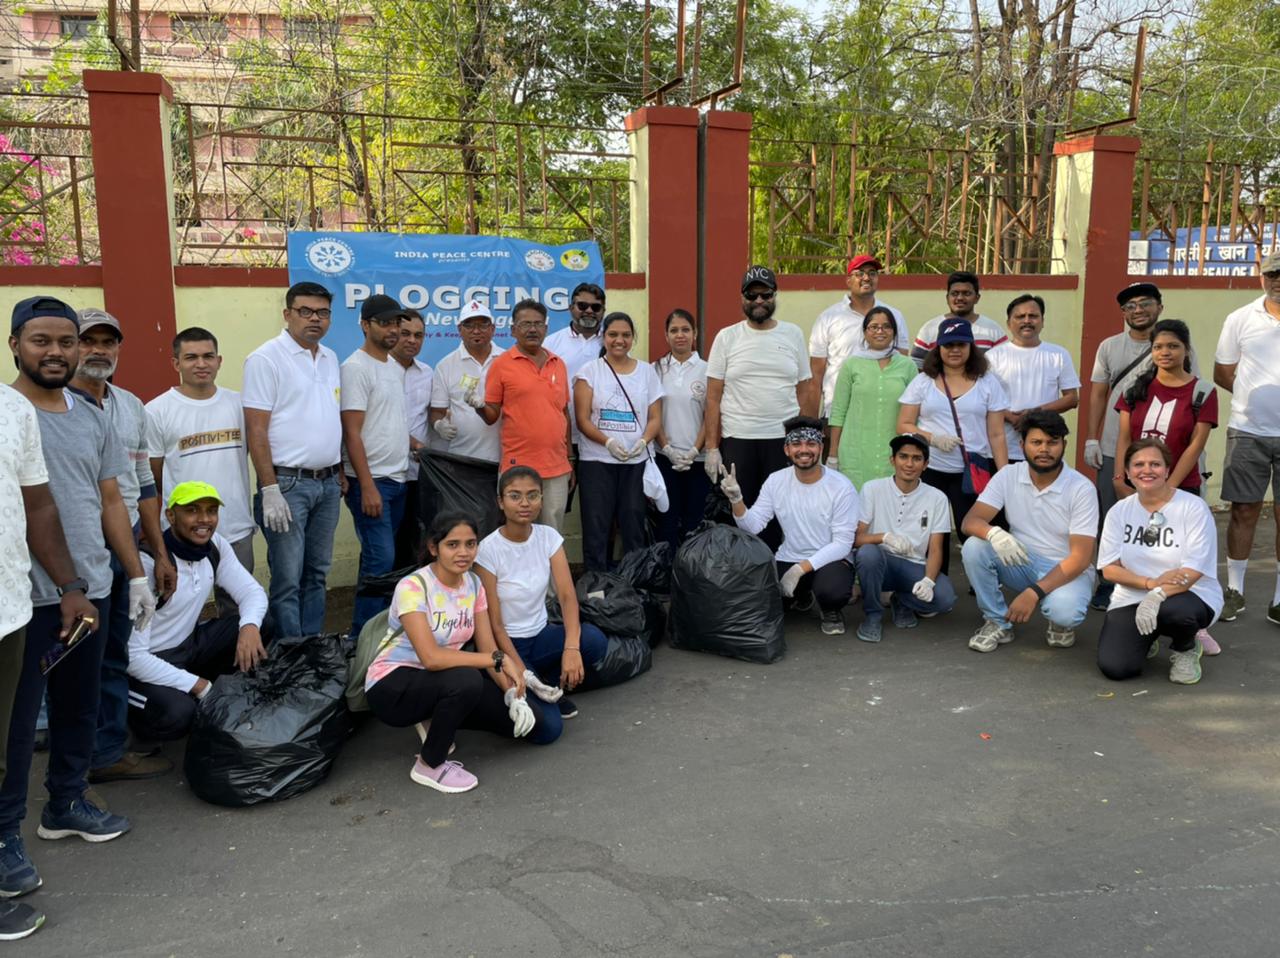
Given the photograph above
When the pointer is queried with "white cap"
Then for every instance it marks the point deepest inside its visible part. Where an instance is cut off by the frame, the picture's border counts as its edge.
(474, 309)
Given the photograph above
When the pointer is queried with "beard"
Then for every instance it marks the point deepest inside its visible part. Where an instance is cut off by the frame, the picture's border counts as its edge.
(46, 378)
(1044, 470)
(754, 311)
(97, 371)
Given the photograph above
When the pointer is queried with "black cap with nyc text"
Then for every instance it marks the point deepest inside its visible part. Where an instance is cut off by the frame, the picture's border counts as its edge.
(759, 276)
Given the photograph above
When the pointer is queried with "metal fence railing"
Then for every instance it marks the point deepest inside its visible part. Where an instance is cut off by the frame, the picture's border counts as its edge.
(245, 177)
(921, 210)
(47, 209)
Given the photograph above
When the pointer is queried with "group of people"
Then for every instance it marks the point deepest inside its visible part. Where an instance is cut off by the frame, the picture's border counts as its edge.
(855, 456)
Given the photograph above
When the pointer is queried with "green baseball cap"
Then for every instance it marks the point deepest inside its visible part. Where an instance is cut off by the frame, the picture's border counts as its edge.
(185, 493)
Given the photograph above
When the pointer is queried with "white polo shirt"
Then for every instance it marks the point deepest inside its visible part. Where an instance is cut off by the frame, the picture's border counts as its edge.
(300, 390)
(575, 349)
(914, 515)
(1250, 340)
(1032, 376)
(455, 374)
(837, 335)
(1043, 520)
(418, 383)
(685, 401)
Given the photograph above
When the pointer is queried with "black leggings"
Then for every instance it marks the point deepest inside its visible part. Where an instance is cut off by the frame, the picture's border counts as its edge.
(452, 699)
(951, 485)
(1122, 650)
(754, 460)
(832, 585)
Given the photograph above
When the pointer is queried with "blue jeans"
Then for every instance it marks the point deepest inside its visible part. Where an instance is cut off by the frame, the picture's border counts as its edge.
(299, 559)
(113, 700)
(881, 571)
(377, 542)
(542, 652)
(73, 715)
(1064, 607)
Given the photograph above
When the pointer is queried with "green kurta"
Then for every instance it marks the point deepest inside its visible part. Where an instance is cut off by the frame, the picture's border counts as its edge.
(866, 406)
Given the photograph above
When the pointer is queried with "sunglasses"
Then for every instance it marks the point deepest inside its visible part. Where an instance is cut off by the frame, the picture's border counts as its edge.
(588, 307)
(1151, 534)
(758, 297)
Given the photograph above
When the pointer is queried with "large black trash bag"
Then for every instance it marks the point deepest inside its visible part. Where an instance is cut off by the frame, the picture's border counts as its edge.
(606, 602)
(272, 733)
(718, 508)
(725, 597)
(648, 569)
(448, 483)
(625, 658)
(382, 586)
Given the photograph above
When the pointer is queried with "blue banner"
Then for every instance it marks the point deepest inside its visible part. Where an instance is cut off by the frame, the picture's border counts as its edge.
(1160, 255)
(438, 275)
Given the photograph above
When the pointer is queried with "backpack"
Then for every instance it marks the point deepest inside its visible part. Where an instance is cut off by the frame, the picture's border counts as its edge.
(1198, 396)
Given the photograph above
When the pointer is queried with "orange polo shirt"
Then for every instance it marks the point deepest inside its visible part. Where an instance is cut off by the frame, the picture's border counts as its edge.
(534, 413)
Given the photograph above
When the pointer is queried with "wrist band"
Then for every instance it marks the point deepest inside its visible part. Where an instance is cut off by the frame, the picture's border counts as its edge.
(1035, 587)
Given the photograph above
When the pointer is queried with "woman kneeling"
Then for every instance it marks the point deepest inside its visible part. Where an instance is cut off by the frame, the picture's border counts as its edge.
(423, 675)
(1160, 548)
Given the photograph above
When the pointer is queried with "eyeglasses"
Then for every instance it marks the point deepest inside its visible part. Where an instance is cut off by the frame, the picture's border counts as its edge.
(531, 324)
(1136, 304)
(758, 297)
(515, 498)
(1272, 275)
(1151, 534)
(867, 273)
(385, 321)
(306, 312)
(588, 307)
(880, 328)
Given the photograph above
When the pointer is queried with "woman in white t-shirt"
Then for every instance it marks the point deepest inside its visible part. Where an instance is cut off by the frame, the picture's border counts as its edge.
(683, 374)
(955, 366)
(518, 563)
(618, 404)
(1160, 549)
(426, 674)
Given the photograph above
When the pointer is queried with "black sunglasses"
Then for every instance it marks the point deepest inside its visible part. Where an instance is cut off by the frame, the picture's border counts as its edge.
(588, 307)
(758, 297)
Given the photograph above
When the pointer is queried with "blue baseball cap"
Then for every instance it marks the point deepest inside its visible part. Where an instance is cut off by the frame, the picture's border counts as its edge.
(36, 306)
(955, 330)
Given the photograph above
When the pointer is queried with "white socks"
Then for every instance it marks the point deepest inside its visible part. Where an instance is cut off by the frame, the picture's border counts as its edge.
(1235, 574)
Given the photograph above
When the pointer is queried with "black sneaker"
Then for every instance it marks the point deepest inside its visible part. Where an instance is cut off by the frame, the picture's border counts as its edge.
(567, 709)
(18, 921)
(802, 603)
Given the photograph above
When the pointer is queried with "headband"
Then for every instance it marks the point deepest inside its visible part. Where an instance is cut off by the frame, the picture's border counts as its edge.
(804, 434)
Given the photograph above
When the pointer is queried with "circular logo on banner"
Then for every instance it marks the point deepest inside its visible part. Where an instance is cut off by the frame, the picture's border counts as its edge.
(575, 259)
(330, 256)
(540, 260)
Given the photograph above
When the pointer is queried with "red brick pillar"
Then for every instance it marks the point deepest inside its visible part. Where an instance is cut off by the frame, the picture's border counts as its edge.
(132, 171)
(664, 211)
(725, 241)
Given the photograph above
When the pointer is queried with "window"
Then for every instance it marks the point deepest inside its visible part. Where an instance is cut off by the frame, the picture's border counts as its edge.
(208, 30)
(310, 30)
(77, 26)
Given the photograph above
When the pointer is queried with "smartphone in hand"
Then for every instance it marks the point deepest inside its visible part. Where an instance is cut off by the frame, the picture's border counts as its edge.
(84, 625)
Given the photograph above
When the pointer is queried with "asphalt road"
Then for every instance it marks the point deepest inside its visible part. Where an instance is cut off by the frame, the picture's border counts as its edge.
(908, 799)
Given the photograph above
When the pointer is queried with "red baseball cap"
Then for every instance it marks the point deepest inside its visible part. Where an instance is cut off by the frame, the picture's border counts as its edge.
(861, 260)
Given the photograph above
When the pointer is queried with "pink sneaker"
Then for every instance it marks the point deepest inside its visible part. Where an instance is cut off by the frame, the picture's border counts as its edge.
(447, 777)
(1207, 643)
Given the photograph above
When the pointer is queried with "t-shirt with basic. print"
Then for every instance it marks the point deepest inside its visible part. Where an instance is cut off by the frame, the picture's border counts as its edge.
(612, 400)
(1166, 414)
(451, 616)
(985, 395)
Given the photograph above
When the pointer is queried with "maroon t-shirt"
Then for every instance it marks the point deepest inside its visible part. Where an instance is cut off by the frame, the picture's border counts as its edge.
(1166, 414)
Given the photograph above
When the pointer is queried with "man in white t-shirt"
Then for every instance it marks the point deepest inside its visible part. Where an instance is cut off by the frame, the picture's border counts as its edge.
(1247, 364)
(197, 434)
(459, 375)
(756, 380)
(419, 380)
(902, 531)
(817, 509)
(837, 332)
(963, 293)
(1046, 555)
(375, 444)
(1035, 374)
(290, 400)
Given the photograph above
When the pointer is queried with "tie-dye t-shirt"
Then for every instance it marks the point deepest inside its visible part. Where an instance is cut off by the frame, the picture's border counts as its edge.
(450, 614)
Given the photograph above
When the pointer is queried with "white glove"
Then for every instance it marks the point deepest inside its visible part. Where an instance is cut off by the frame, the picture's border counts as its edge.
(473, 397)
(142, 602)
(790, 579)
(898, 545)
(445, 429)
(833, 462)
(729, 483)
(713, 465)
(685, 458)
(923, 590)
(548, 693)
(275, 511)
(673, 454)
(1148, 610)
(1093, 454)
(943, 442)
(617, 448)
(637, 448)
(1008, 549)
(521, 715)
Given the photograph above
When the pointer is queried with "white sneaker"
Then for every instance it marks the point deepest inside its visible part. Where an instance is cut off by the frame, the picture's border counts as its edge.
(1060, 638)
(1184, 667)
(1154, 650)
(987, 638)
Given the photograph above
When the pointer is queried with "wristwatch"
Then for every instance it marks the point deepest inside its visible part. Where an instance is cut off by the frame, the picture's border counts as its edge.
(75, 585)
(498, 656)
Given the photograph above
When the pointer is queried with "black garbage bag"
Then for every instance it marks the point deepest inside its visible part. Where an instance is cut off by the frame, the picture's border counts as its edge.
(448, 483)
(655, 616)
(725, 597)
(626, 657)
(648, 569)
(272, 733)
(608, 603)
(718, 508)
(382, 586)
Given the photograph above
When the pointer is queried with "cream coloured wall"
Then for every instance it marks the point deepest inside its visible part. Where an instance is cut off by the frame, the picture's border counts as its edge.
(81, 297)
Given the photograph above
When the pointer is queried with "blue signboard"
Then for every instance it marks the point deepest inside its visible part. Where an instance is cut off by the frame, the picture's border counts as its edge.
(1223, 256)
(438, 275)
